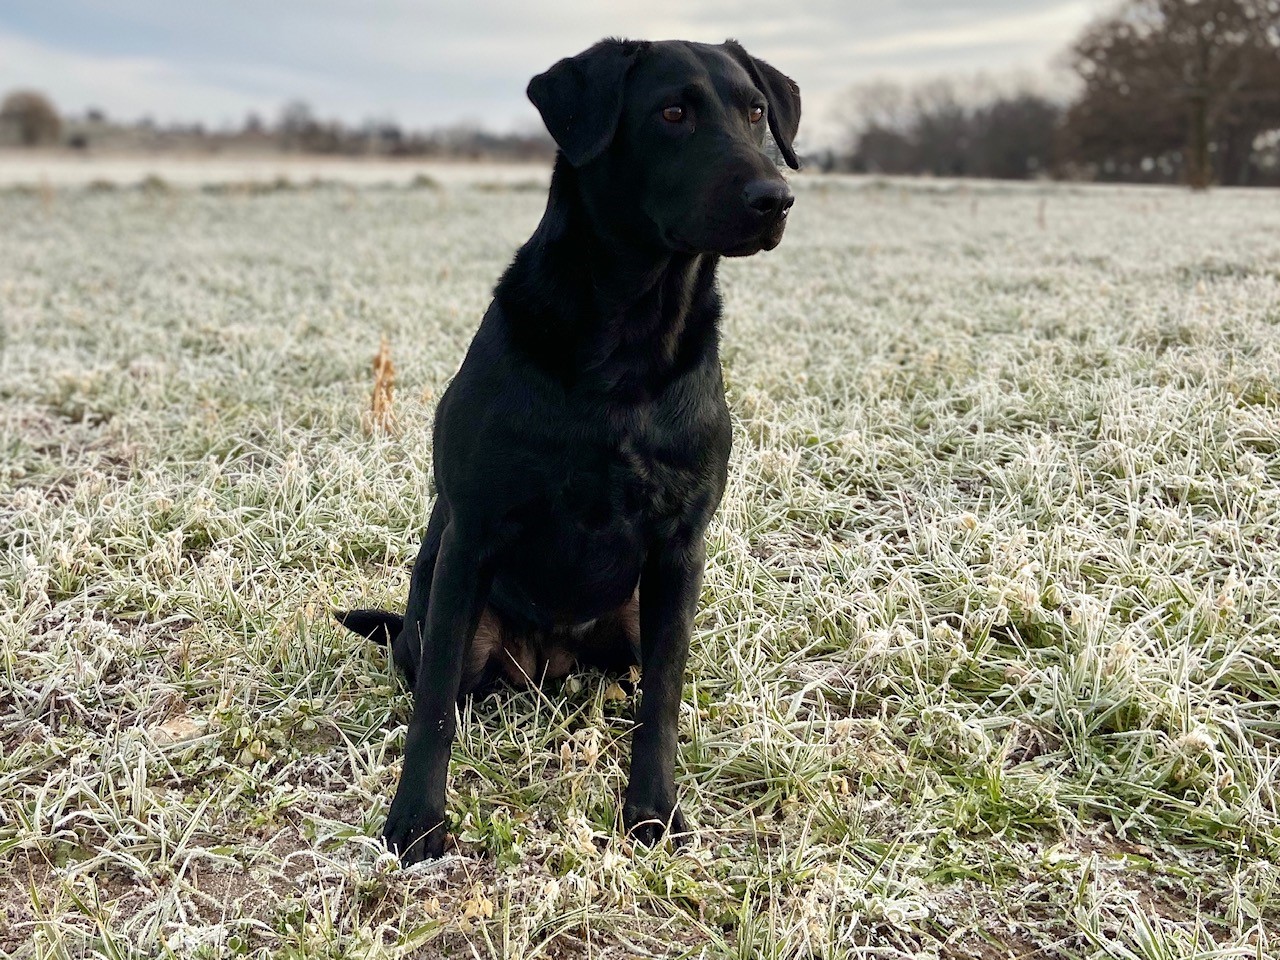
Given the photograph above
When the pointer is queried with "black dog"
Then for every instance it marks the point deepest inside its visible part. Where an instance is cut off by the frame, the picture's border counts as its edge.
(582, 448)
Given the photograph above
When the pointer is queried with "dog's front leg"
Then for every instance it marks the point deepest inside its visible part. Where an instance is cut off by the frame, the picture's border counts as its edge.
(406, 649)
(415, 827)
(669, 587)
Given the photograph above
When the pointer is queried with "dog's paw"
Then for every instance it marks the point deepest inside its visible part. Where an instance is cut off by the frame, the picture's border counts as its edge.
(646, 824)
(413, 832)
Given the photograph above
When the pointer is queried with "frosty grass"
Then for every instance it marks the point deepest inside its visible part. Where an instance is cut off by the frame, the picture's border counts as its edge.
(988, 657)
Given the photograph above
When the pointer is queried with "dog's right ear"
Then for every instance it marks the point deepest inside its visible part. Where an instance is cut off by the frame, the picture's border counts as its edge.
(580, 98)
(784, 100)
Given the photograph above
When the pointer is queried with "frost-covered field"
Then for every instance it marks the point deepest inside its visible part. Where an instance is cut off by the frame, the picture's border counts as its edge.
(988, 660)
(24, 168)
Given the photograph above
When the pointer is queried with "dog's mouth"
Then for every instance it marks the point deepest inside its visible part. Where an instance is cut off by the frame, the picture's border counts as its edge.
(769, 238)
(746, 250)
(766, 239)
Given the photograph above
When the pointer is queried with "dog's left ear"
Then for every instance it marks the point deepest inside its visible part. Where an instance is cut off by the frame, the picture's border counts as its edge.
(580, 98)
(784, 99)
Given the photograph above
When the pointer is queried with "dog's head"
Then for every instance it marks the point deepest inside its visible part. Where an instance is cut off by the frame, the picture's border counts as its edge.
(668, 141)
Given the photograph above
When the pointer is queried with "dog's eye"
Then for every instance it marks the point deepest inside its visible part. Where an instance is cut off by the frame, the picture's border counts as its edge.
(756, 113)
(673, 114)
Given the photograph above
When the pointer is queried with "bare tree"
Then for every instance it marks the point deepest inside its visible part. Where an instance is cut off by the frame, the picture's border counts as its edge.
(1196, 76)
(33, 115)
(952, 127)
(1014, 137)
(878, 116)
(941, 131)
(297, 126)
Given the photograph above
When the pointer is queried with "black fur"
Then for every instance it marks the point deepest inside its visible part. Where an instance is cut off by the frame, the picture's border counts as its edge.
(380, 625)
(583, 446)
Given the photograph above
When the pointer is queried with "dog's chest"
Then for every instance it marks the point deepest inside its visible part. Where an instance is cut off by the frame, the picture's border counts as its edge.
(627, 475)
(641, 470)
(621, 482)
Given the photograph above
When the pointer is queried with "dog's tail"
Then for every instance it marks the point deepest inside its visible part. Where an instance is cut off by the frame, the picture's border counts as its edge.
(371, 624)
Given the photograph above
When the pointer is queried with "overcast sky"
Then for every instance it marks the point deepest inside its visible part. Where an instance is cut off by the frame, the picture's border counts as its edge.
(429, 64)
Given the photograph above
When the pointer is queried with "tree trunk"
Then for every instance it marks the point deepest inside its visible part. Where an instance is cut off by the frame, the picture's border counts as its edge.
(1199, 171)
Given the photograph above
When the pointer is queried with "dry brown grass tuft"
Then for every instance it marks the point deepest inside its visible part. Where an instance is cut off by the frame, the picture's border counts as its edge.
(382, 414)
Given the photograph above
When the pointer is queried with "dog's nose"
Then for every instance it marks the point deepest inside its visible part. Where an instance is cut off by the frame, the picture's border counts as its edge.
(772, 198)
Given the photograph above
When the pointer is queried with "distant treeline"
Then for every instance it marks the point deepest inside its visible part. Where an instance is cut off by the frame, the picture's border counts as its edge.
(29, 118)
(1169, 91)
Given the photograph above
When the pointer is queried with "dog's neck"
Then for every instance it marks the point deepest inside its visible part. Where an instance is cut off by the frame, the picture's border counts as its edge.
(600, 312)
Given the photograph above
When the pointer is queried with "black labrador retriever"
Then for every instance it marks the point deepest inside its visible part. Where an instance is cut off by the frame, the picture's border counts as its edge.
(582, 448)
